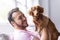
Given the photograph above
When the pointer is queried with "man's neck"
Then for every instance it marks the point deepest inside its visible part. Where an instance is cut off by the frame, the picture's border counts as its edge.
(19, 28)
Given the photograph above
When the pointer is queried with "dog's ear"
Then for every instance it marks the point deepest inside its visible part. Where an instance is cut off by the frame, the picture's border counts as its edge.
(31, 12)
(40, 9)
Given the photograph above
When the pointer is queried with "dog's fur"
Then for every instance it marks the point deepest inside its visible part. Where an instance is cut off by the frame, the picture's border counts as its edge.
(41, 22)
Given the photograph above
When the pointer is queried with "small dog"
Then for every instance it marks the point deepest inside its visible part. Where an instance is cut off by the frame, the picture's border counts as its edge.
(41, 22)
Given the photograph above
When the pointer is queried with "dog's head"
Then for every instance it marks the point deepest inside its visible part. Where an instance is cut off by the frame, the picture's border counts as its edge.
(36, 10)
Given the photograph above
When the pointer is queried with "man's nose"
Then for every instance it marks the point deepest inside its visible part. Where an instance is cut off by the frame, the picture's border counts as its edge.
(24, 18)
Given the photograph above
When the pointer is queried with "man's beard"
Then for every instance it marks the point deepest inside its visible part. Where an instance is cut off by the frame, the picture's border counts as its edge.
(25, 24)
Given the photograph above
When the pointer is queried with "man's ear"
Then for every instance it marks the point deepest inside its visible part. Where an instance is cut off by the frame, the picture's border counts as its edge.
(12, 22)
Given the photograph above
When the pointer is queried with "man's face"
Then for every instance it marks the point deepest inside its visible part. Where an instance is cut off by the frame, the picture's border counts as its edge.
(19, 19)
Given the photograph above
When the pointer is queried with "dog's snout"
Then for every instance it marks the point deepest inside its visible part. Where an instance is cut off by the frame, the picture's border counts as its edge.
(35, 12)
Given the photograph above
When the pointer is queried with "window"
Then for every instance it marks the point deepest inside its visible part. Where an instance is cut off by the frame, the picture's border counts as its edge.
(5, 6)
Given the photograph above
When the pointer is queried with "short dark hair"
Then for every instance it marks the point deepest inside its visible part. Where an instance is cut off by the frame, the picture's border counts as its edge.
(10, 14)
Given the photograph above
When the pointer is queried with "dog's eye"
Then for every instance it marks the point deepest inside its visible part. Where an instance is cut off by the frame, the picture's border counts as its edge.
(33, 9)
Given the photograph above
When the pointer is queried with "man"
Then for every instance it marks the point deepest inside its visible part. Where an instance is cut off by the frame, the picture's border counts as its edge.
(19, 22)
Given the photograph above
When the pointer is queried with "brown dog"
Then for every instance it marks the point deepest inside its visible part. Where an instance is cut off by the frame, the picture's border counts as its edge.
(42, 22)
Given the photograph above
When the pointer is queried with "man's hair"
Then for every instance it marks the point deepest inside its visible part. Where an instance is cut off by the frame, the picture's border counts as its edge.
(10, 14)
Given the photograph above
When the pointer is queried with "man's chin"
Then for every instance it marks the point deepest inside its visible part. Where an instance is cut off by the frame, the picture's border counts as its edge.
(25, 25)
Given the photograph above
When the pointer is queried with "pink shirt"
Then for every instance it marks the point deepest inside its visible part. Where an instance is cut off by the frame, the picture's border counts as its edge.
(23, 35)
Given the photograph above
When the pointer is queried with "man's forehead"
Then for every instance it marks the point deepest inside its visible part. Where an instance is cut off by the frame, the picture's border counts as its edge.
(15, 14)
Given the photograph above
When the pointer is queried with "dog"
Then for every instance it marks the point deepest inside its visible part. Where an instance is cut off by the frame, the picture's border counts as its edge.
(43, 22)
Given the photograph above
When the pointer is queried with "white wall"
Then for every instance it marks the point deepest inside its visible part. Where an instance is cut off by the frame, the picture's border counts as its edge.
(55, 12)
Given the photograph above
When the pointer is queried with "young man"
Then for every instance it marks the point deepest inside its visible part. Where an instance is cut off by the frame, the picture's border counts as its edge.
(19, 22)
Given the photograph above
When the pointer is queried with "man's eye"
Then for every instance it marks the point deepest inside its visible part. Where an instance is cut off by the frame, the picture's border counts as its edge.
(20, 17)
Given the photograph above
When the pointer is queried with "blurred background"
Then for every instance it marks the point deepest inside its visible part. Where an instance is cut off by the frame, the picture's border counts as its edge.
(51, 10)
